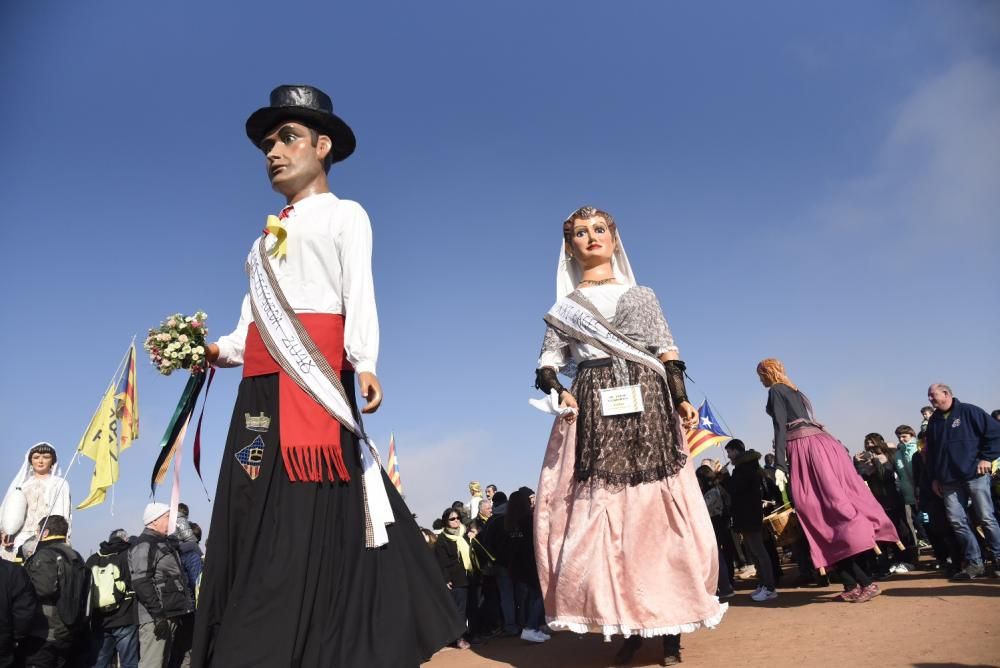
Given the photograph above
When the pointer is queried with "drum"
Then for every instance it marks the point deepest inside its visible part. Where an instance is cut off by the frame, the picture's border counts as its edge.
(784, 525)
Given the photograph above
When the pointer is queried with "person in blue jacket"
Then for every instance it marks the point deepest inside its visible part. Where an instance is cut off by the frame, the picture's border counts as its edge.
(962, 442)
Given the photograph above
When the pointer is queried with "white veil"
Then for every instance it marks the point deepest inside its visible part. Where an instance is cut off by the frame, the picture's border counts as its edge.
(24, 474)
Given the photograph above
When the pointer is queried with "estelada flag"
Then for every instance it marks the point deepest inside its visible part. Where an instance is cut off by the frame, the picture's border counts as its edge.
(708, 432)
(100, 443)
(392, 466)
(128, 404)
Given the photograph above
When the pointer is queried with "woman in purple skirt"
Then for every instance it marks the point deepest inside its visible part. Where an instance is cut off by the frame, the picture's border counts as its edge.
(838, 514)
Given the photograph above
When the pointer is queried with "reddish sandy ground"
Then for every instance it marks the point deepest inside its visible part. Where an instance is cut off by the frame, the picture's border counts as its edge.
(921, 621)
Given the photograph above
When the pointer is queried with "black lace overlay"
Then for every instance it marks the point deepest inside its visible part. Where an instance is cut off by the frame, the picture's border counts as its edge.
(625, 450)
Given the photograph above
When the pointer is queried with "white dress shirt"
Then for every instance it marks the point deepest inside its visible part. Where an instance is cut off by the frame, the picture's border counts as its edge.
(327, 269)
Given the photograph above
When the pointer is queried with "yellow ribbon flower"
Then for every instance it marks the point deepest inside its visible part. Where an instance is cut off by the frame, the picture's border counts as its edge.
(277, 228)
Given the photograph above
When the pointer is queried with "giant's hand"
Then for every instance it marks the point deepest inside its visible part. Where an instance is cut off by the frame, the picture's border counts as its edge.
(689, 415)
(780, 479)
(212, 353)
(567, 400)
(371, 390)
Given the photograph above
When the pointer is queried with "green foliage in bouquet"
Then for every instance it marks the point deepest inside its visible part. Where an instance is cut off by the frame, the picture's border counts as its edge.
(178, 343)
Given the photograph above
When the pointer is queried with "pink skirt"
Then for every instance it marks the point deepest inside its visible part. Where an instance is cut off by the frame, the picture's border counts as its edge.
(837, 512)
(639, 560)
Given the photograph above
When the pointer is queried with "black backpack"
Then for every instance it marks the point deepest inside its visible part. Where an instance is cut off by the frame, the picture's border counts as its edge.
(74, 579)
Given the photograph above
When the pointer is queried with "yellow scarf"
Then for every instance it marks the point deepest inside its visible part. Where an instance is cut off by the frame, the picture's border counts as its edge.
(463, 546)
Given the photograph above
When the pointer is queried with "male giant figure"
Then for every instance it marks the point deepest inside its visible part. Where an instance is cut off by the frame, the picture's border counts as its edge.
(313, 559)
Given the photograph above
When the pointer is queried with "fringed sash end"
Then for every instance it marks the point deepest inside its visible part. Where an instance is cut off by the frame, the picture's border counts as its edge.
(308, 463)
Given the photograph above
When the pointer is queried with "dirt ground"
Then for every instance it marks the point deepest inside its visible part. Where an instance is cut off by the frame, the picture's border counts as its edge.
(921, 620)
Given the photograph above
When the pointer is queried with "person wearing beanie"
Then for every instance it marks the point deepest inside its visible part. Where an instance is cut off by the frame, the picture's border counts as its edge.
(161, 589)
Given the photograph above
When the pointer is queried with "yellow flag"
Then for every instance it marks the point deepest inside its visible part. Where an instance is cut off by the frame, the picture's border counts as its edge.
(100, 443)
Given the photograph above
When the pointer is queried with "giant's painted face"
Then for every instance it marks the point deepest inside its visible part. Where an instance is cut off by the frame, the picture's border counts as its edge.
(292, 160)
(592, 241)
(41, 463)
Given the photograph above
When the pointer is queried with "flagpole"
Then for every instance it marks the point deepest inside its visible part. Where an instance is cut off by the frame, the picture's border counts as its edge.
(115, 378)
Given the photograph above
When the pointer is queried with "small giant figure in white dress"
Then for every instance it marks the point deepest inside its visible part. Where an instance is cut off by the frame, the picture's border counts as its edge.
(36, 492)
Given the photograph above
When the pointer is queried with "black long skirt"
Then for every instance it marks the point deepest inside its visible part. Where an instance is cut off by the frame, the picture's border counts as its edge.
(288, 580)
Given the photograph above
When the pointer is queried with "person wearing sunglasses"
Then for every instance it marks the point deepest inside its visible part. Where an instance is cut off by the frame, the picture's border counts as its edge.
(455, 559)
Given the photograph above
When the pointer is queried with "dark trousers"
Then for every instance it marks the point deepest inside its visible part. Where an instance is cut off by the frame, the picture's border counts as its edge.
(460, 595)
(474, 605)
(36, 653)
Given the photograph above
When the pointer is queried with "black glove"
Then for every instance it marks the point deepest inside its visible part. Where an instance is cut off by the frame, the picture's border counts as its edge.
(546, 381)
(675, 380)
(162, 627)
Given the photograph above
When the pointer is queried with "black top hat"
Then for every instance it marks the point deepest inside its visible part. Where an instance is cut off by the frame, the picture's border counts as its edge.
(311, 106)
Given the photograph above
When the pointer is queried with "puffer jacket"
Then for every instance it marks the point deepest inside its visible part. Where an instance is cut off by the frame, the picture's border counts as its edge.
(158, 578)
(744, 487)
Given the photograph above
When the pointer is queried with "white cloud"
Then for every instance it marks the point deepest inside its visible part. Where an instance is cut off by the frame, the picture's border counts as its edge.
(938, 168)
(432, 473)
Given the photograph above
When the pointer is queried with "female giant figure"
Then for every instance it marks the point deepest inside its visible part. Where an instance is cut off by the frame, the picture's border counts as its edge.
(623, 540)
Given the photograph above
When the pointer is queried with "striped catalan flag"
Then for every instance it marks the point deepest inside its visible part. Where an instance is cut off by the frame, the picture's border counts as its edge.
(128, 404)
(709, 431)
(392, 467)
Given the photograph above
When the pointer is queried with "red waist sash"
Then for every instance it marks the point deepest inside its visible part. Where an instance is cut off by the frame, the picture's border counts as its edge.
(310, 437)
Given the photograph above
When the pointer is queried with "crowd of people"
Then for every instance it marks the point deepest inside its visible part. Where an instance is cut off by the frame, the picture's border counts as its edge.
(131, 603)
(940, 507)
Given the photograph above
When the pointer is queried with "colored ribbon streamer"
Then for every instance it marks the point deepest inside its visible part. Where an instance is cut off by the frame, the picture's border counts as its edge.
(176, 428)
(277, 228)
(196, 451)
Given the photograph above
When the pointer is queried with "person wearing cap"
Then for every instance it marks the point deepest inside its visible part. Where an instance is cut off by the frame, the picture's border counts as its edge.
(161, 589)
(313, 557)
(39, 490)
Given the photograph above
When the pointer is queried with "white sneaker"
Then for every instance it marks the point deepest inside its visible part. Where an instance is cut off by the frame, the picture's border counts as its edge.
(894, 568)
(533, 636)
(903, 567)
(543, 634)
(764, 595)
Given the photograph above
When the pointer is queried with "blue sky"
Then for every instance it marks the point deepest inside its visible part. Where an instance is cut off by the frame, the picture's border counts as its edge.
(799, 180)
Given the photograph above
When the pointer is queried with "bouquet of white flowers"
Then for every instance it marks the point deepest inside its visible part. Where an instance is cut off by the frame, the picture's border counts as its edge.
(178, 343)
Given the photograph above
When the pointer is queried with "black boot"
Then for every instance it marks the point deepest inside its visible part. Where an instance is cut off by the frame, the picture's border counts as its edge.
(628, 650)
(671, 650)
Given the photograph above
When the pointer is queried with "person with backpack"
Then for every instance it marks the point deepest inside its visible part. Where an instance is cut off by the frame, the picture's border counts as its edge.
(58, 633)
(161, 588)
(114, 625)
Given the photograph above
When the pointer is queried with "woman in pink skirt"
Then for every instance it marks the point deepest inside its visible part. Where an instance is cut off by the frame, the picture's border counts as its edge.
(838, 514)
(623, 540)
